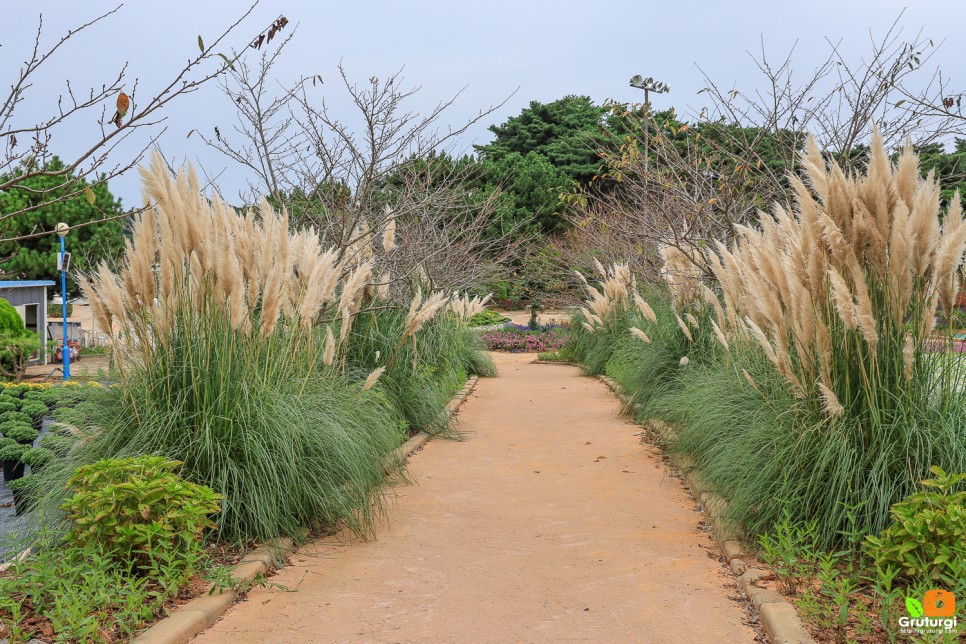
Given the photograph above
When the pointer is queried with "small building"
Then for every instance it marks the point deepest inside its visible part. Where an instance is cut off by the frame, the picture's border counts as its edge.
(30, 300)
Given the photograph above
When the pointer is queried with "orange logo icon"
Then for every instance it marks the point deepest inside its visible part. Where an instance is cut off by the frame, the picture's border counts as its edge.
(939, 603)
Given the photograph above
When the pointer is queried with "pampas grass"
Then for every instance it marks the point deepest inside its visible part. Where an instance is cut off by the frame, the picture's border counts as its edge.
(824, 397)
(224, 337)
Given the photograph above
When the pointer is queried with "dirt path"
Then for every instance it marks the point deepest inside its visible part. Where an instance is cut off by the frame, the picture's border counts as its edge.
(549, 523)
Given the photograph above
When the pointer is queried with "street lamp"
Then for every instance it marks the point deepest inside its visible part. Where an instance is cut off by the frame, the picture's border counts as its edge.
(648, 85)
(62, 229)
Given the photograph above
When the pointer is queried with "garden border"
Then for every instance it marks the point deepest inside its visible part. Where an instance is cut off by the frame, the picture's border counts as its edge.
(197, 615)
(777, 616)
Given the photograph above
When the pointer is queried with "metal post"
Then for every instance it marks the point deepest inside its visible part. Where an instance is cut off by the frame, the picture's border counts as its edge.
(648, 85)
(647, 130)
(63, 295)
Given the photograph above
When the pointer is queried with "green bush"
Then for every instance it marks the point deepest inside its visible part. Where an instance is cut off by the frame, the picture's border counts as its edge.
(141, 514)
(927, 538)
(13, 452)
(17, 416)
(20, 432)
(65, 396)
(23, 484)
(16, 343)
(422, 379)
(487, 317)
(7, 405)
(14, 391)
(37, 457)
(59, 445)
(34, 394)
(35, 409)
(10, 321)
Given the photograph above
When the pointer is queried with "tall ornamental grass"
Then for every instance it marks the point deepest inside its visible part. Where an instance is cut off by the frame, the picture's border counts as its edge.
(831, 392)
(428, 369)
(842, 294)
(234, 342)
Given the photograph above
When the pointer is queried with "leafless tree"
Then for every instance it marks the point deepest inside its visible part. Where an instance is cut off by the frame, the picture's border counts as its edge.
(385, 165)
(29, 143)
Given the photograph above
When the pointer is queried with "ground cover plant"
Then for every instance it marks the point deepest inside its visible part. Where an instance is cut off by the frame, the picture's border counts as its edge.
(522, 338)
(136, 542)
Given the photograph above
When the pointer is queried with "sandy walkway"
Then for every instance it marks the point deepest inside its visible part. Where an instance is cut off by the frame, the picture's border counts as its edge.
(549, 523)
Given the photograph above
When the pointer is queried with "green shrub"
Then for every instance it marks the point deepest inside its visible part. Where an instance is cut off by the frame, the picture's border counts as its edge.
(4, 442)
(13, 452)
(422, 379)
(17, 416)
(66, 396)
(7, 405)
(487, 317)
(14, 391)
(23, 484)
(35, 409)
(16, 343)
(927, 539)
(59, 445)
(20, 432)
(142, 514)
(37, 457)
(34, 394)
(10, 321)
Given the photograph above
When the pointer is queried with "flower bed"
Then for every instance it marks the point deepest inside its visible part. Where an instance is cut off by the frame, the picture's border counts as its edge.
(519, 338)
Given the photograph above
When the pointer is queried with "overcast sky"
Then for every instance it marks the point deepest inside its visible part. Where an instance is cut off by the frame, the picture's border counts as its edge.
(539, 49)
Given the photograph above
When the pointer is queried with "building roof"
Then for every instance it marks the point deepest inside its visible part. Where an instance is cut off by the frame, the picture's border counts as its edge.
(25, 284)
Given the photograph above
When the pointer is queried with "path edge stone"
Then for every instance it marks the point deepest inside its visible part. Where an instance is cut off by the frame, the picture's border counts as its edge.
(777, 616)
(197, 615)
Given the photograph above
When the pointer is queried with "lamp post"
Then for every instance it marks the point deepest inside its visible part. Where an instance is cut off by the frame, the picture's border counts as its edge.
(648, 85)
(62, 229)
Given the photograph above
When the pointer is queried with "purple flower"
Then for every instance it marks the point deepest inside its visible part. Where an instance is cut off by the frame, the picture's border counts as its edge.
(519, 338)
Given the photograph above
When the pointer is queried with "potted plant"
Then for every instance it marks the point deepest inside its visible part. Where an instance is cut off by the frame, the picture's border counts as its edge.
(20, 432)
(14, 415)
(36, 410)
(14, 391)
(13, 467)
(19, 488)
(59, 445)
(36, 457)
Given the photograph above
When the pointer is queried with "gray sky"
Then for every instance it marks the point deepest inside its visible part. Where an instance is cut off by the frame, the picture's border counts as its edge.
(546, 49)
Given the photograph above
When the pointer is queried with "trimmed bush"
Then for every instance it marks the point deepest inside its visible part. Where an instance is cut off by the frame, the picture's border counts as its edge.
(13, 452)
(59, 445)
(35, 409)
(16, 416)
(20, 432)
(37, 457)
